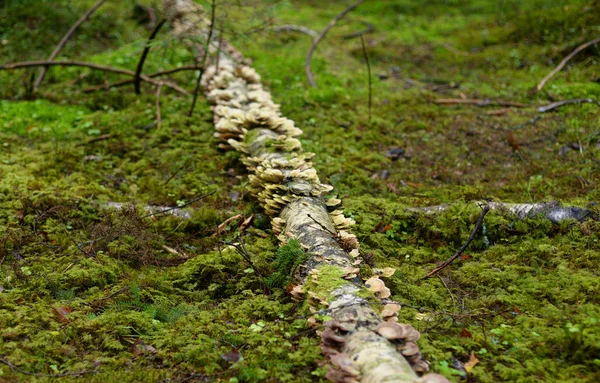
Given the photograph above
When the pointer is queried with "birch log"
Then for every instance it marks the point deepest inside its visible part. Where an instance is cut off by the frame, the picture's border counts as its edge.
(362, 341)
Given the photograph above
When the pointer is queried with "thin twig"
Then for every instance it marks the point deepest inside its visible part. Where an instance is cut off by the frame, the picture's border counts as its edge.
(130, 81)
(179, 207)
(64, 40)
(364, 47)
(464, 247)
(449, 292)
(28, 64)
(565, 61)
(138, 70)
(295, 28)
(158, 119)
(486, 102)
(558, 104)
(21, 371)
(307, 64)
(370, 29)
(204, 56)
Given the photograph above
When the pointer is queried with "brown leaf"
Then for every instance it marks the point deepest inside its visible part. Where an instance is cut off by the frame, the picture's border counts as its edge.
(392, 187)
(464, 333)
(61, 313)
(221, 228)
(232, 356)
(246, 223)
(512, 141)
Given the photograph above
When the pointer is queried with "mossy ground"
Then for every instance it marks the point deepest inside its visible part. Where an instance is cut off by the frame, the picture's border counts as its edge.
(83, 288)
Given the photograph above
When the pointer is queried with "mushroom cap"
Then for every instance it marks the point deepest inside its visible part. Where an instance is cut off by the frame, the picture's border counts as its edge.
(409, 349)
(390, 310)
(390, 331)
(433, 378)
(375, 284)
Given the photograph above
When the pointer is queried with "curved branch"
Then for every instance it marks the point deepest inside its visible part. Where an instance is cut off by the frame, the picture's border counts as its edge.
(565, 61)
(307, 65)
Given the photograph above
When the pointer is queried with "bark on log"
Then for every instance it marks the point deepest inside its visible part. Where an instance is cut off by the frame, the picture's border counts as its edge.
(360, 344)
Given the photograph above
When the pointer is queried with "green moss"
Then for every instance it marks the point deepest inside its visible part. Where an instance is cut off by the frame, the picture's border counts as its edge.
(85, 288)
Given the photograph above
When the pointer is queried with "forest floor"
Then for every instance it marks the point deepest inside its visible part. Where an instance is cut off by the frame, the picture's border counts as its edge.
(120, 296)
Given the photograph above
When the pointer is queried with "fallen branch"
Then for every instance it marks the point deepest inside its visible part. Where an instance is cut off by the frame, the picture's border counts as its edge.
(130, 81)
(316, 41)
(565, 61)
(295, 28)
(558, 104)
(104, 68)
(485, 102)
(138, 70)
(463, 247)
(64, 40)
(552, 211)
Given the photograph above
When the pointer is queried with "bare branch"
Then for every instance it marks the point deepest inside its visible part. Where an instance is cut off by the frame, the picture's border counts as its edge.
(130, 81)
(29, 64)
(558, 104)
(464, 247)
(307, 65)
(138, 70)
(565, 61)
(64, 40)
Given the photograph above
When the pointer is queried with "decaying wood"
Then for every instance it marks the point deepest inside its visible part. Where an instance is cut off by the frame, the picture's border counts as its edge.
(565, 61)
(361, 344)
(64, 40)
(553, 211)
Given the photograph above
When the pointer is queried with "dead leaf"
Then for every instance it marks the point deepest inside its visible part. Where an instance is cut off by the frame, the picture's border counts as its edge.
(414, 184)
(61, 313)
(139, 347)
(221, 228)
(246, 223)
(232, 356)
(471, 363)
(464, 333)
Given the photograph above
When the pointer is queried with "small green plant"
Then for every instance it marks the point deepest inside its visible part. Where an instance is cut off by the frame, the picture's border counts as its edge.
(288, 258)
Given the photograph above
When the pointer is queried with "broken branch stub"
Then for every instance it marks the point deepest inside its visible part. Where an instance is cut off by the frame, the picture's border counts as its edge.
(288, 188)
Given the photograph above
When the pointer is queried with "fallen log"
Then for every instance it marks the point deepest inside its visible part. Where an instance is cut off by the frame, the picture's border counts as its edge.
(363, 340)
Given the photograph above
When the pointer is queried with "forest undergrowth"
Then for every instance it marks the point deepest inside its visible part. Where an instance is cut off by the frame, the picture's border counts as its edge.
(97, 294)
